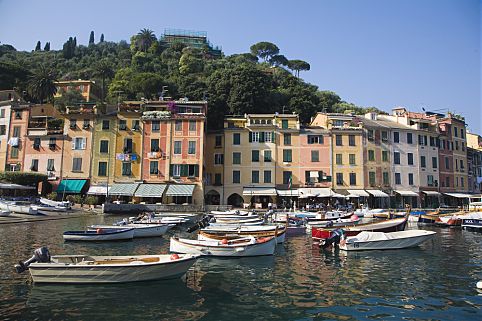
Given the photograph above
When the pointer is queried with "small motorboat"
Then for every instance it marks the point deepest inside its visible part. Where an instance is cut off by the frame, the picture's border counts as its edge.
(4, 213)
(229, 212)
(59, 206)
(104, 269)
(472, 221)
(222, 232)
(18, 207)
(110, 234)
(385, 241)
(140, 230)
(240, 247)
(254, 221)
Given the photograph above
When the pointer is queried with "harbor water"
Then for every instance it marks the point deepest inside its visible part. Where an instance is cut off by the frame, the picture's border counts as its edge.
(435, 281)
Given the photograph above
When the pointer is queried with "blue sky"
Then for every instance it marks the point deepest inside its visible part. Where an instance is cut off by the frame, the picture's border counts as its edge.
(379, 53)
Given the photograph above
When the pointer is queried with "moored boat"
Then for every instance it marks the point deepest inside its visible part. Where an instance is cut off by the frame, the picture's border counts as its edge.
(140, 230)
(472, 221)
(113, 234)
(18, 207)
(220, 233)
(385, 241)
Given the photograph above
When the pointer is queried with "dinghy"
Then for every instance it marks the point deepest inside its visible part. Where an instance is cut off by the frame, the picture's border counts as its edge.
(111, 234)
(59, 205)
(240, 247)
(104, 269)
(140, 230)
(385, 241)
(221, 232)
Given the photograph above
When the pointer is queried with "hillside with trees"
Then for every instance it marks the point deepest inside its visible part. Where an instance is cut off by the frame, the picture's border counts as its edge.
(259, 81)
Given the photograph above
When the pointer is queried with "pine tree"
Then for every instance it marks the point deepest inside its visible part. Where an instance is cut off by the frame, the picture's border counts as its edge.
(91, 39)
(37, 48)
(47, 46)
(102, 38)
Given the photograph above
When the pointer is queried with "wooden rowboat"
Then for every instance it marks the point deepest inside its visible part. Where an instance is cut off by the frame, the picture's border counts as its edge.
(219, 233)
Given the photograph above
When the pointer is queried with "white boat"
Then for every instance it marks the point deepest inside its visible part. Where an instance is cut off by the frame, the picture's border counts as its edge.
(55, 204)
(472, 221)
(235, 217)
(4, 213)
(221, 232)
(140, 230)
(368, 213)
(18, 207)
(229, 212)
(100, 235)
(164, 220)
(253, 221)
(385, 241)
(247, 246)
(108, 269)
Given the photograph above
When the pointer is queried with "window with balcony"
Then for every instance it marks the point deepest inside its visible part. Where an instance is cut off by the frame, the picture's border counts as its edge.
(154, 167)
(236, 158)
(76, 164)
(102, 169)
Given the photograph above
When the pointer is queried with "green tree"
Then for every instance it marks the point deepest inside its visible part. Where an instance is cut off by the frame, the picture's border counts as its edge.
(297, 66)
(68, 98)
(144, 39)
(47, 46)
(91, 38)
(103, 69)
(278, 60)
(41, 85)
(146, 84)
(37, 47)
(101, 38)
(265, 50)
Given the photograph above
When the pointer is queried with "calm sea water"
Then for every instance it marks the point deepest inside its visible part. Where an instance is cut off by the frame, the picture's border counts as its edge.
(433, 282)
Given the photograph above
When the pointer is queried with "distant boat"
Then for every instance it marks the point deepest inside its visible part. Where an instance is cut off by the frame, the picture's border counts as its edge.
(100, 235)
(385, 241)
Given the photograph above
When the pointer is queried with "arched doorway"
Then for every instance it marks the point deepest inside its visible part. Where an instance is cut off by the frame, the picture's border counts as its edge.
(235, 200)
(212, 198)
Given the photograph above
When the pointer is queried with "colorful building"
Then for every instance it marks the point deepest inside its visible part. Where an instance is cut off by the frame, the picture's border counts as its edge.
(87, 88)
(7, 99)
(474, 162)
(19, 117)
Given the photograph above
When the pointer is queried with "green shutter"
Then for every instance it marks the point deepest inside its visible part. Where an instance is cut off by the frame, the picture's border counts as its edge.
(307, 176)
(320, 176)
(250, 137)
(184, 170)
(273, 137)
(196, 170)
(261, 137)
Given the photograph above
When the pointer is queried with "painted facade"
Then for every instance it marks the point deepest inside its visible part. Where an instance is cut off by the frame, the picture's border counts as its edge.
(87, 88)
(7, 99)
(103, 149)
(474, 160)
(19, 117)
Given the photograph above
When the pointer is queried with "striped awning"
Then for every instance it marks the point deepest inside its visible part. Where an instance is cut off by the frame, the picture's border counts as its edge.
(259, 191)
(358, 192)
(287, 192)
(180, 190)
(123, 189)
(407, 193)
(377, 193)
(150, 190)
(97, 190)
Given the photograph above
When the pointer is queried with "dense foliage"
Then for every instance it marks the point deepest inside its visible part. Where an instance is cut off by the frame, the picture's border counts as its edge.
(27, 179)
(260, 81)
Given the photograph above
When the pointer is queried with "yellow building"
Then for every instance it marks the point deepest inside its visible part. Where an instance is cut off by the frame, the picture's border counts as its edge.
(87, 88)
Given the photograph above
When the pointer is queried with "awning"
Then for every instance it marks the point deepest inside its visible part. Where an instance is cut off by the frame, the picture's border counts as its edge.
(123, 189)
(286, 192)
(407, 193)
(259, 191)
(15, 186)
(97, 190)
(337, 195)
(358, 192)
(315, 192)
(458, 195)
(180, 190)
(377, 193)
(150, 190)
(71, 186)
(431, 193)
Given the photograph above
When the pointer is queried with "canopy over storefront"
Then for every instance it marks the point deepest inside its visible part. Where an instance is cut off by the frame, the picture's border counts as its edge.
(15, 186)
(460, 195)
(431, 193)
(98, 190)
(358, 192)
(407, 193)
(377, 193)
(180, 190)
(150, 190)
(315, 192)
(73, 186)
(123, 189)
(288, 192)
(259, 191)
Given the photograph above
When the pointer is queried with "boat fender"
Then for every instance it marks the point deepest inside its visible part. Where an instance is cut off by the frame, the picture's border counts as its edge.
(354, 218)
(40, 255)
(224, 241)
(263, 239)
(99, 231)
(479, 285)
(174, 257)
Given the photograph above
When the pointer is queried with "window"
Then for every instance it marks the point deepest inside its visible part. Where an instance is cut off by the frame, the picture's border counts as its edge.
(432, 141)
(267, 156)
(192, 125)
(447, 181)
(371, 178)
(86, 124)
(315, 139)
(2, 113)
(126, 169)
(351, 140)
(287, 139)
(36, 143)
(254, 176)
(156, 125)
(339, 140)
(420, 140)
(102, 170)
(50, 165)
(370, 134)
(371, 155)
(462, 165)
(396, 158)
(398, 179)
(34, 166)
(434, 162)
(14, 152)
(456, 145)
(192, 170)
(254, 137)
(409, 138)
(236, 177)
(410, 158)
(77, 165)
(315, 156)
(268, 137)
(456, 132)
(191, 150)
(79, 143)
(127, 146)
(284, 124)
(16, 131)
(286, 177)
(218, 159)
(384, 136)
(176, 170)
(255, 155)
(339, 159)
(236, 139)
(339, 178)
(352, 179)
(122, 124)
(237, 158)
(462, 182)
(338, 123)
(18, 114)
(3, 130)
(104, 146)
(396, 137)
(287, 156)
(155, 145)
(178, 125)
(385, 156)
(154, 167)
(351, 159)
(218, 179)
(447, 163)
(52, 142)
(105, 124)
(430, 180)
(462, 135)
(136, 124)
(73, 123)
(386, 179)
(423, 163)
(177, 147)
(410, 179)
(218, 141)
(267, 177)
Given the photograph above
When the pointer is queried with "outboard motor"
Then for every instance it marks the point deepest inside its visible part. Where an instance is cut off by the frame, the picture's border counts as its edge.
(40, 255)
(334, 239)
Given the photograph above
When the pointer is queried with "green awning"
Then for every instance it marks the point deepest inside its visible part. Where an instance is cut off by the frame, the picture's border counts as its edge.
(150, 190)
(180, 190)
(73, 186)
(126, 189)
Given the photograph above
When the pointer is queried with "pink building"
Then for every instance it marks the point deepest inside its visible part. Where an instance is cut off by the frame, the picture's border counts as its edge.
(315, 157)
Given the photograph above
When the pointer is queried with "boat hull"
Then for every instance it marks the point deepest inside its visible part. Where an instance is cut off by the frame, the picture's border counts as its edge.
(93, 236)
(472, 223)
(133, 272)
(256, 231)
(140, 230)
(215, 248)
(397, 240)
